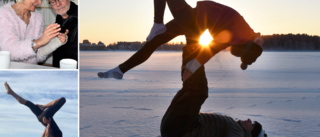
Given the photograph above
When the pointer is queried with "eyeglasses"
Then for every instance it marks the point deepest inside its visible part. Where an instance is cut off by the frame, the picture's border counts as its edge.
(54, 2)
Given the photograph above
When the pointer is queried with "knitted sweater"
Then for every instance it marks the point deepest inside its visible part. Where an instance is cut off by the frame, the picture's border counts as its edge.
(215, 125)
(16, 36)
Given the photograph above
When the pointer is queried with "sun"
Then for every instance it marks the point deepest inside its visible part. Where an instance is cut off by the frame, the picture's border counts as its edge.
(205, 38)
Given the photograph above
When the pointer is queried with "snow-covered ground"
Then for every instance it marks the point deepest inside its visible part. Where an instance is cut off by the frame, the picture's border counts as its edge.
(281, 91)
(39, 87)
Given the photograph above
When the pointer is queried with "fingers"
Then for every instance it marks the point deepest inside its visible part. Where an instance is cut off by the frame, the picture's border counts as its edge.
(52, 30)
(63, 36)
(67, 31)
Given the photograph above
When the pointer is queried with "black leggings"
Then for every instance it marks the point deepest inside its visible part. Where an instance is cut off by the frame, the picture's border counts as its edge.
(177, 8)
(184, 23)
(35, 109)
(182, 114)
(48, 113)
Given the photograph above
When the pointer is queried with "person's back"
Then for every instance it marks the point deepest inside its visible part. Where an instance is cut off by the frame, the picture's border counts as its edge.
(224, 23)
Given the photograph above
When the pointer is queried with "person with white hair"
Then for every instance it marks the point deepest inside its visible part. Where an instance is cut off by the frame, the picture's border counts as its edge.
(67, 16)
(22, 32)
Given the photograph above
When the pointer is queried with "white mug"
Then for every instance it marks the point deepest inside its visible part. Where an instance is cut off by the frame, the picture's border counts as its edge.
(4, 59)
(68, 64)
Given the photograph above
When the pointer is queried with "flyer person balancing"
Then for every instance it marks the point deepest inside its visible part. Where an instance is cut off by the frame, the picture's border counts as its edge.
(227, 27)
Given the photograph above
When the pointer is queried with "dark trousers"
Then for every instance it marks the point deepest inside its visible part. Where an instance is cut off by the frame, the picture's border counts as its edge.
(48, 113)
(176, 7)
(182, 114)
(184, 23)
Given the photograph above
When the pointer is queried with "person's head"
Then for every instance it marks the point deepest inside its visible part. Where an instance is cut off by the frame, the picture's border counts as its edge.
(248, 52)
(29, 5)
(255, 128)
(61, 7)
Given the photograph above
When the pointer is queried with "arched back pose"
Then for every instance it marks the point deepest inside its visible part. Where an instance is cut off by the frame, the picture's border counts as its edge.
(44, 113)
(227, 27)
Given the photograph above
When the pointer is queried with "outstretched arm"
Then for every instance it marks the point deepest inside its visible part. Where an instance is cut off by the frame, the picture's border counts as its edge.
(46, 130)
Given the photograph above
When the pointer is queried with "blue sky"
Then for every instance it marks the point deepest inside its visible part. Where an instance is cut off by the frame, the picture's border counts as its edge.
(111, 21)
(40, 87)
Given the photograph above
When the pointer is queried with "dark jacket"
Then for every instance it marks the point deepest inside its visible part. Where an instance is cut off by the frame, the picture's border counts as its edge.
(70, 49)
(225, 24)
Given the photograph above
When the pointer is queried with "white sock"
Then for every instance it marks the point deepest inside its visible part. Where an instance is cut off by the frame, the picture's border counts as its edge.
(113, 73)
(157, 28)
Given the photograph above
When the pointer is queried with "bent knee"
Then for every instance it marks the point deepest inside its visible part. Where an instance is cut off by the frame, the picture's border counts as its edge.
(63, 99)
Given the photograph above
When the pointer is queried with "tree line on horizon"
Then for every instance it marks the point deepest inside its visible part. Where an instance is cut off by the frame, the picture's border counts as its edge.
(275, 42)
(291, 42)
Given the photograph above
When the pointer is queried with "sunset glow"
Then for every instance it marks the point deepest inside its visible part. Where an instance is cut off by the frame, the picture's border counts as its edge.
(106, 21)
(205, 38)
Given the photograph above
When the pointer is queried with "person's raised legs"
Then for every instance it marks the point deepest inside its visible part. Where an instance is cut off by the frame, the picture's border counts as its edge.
(158, 26)
(12, 93)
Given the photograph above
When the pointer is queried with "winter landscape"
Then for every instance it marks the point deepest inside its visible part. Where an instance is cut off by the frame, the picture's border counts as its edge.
(39, 87)
(281, 91)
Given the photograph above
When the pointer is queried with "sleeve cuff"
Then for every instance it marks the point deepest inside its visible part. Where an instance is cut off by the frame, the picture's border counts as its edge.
(193, 65)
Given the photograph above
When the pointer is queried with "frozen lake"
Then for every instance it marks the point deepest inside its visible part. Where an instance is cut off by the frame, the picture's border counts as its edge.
(281, 91)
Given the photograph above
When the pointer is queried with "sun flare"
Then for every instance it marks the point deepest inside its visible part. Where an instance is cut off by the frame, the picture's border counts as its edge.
(205, 38)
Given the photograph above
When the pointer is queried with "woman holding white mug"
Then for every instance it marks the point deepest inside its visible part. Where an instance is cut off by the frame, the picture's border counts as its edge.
(23, 35)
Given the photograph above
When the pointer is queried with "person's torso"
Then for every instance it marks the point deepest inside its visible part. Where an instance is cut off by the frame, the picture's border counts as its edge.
(70, 49)
(11, 23)
(224, 23)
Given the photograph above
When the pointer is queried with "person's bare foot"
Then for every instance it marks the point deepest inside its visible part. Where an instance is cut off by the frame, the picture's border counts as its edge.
(9, 90)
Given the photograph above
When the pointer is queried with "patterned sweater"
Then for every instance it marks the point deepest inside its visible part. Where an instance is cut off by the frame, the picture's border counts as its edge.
(215, 125)
(16, 36)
